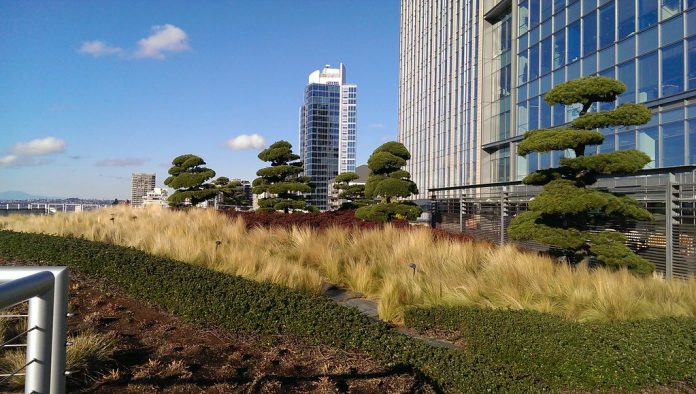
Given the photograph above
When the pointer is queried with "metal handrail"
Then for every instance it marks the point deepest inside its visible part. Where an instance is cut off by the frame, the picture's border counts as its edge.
(46, 289)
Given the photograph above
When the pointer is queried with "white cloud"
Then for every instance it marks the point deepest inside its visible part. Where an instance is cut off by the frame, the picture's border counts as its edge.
(247, 141)
(38, 147)
(376, 126)
(127, 162)
(164, 38)
(8, 160)
(98, 48)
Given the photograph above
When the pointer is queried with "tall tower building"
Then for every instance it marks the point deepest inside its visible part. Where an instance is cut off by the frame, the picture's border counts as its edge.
(141, 184)
(327, 130)
(473, 75)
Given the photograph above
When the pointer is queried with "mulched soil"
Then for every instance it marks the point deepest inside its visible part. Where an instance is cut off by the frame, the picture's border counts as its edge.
(156, 352)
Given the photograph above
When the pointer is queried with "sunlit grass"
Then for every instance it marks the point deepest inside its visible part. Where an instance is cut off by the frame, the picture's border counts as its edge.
(376, 262)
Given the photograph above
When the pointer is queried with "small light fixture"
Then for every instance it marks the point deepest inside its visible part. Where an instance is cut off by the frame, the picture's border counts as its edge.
(413, 267)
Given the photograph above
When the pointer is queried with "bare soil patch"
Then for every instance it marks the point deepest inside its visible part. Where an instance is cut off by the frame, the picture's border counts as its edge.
(156, 352)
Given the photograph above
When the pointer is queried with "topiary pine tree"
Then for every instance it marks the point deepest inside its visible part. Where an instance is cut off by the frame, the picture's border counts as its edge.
(188, 177)
(354, 194)
(232, 192)
(388, 181)
(281, 181)
(563, 213)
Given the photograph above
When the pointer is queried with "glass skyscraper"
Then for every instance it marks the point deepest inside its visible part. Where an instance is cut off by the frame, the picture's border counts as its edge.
(516, 51)
(327, 130)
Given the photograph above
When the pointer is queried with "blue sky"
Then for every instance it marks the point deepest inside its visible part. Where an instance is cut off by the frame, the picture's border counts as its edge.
(91, 91)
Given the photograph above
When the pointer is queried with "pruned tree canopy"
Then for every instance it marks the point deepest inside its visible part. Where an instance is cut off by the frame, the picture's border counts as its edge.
(282, 180)
(353, 195)
(388, 181)
(189, 178)
(563, 214)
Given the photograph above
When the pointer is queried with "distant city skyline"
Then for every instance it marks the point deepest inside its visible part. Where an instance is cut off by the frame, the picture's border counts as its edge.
(93, 92)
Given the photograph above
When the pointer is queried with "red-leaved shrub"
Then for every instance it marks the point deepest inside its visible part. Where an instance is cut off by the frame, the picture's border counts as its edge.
(324, 220)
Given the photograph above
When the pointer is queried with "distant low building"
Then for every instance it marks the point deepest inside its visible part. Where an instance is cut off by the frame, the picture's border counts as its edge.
(334, 202)
(156, 197)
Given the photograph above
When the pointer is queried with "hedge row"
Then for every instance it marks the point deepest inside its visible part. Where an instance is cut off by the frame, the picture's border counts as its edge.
(622, 355)
(206, 296)
(323, 220)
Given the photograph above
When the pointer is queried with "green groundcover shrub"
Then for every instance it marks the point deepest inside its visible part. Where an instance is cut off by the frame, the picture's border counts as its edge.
(206, 296)
(619, 355)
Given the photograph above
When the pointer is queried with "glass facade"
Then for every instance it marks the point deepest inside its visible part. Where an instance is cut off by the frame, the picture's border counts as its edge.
(327, 131)
(439, 74)
(647, 44)
(473, 75)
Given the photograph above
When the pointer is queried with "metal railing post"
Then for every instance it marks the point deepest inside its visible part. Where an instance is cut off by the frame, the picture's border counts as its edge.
(671, 213)
(46, 288)
(503, 212)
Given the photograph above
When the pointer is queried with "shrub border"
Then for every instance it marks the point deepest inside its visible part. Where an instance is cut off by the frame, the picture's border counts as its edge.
(196, 293)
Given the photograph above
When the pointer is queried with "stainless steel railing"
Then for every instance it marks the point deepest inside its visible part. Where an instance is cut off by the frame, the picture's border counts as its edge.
(46, 289)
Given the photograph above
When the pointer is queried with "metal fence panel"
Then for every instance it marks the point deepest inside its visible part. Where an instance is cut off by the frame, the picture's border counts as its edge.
(669, 241)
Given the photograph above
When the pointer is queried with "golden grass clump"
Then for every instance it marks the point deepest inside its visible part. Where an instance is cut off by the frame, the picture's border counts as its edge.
(376, 262)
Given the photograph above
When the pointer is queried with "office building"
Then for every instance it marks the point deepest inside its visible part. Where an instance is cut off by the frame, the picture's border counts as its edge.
(473, 75)
(157, 198)
(327, 130)
(141, 184)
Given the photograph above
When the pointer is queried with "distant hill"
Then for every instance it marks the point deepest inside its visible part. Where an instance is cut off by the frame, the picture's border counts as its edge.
(19, 195)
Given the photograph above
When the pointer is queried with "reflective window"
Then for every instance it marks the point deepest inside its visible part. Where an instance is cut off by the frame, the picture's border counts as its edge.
(533, 107)
(647, 80)
(558, 5)
(534, 13)
(559, 21)
(573, 71)
(558, 49)
(672, 30)
(627, 75)
(545, 160)
(558, 114)
(522, 68)
(669, 8)
(589, 33)
(647, 41)
(546, 56)
(606, 58)
(691, 22)
(589, 65)
(588, 5)
(533, 162)
(523, 17)
(606, 25)
(609, 144)
(559, 76)
(546, 28)
(648, 142)
(673, 144)
(573, 11)
(544, 115)
(626, 49)
(672, 69)
(692, 141)
(546, 9)
(627, 17)
(534, 62)
(522, 118)
(573, 41)
(647, 13)
(691, 44)
(627, 140)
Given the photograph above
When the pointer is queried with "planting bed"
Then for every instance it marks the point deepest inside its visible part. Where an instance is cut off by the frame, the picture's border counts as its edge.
(154, 351)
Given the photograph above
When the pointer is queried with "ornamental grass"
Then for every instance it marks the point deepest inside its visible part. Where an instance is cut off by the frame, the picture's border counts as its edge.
(378, 263)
